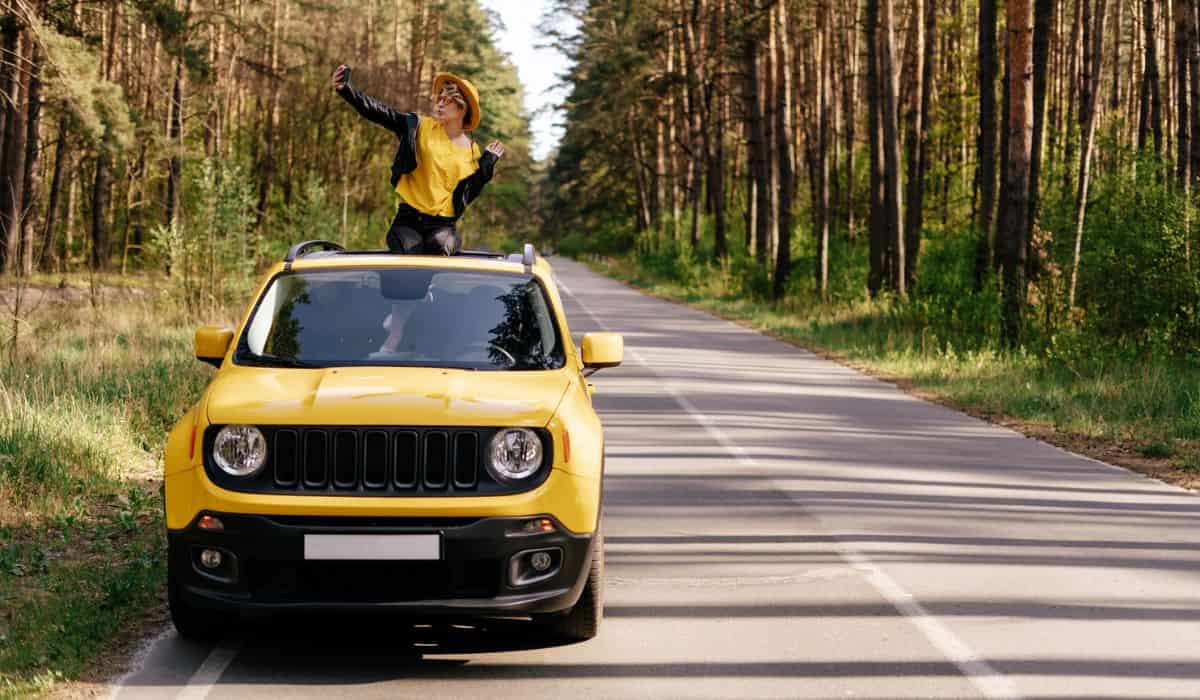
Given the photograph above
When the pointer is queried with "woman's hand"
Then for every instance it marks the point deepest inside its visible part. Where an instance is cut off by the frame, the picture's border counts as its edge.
(341, 75)
(496, 148)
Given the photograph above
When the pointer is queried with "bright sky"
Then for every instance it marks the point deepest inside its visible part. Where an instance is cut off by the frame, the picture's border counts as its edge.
(539, 68)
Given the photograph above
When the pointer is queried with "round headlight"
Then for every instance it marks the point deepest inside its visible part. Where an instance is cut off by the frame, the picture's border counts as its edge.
(240, 450)
(514, 454)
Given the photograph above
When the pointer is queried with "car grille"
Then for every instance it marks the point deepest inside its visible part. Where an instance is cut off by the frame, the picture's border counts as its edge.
(374, 461)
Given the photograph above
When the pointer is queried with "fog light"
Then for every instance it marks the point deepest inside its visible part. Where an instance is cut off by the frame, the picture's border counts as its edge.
(540, 561)
(534, 565)
(210, 558)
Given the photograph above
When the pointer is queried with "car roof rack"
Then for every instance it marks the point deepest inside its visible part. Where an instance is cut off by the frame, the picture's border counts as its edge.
(525, 257)
(306, 247)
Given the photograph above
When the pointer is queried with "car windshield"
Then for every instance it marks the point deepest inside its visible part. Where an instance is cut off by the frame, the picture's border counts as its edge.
(415, 317)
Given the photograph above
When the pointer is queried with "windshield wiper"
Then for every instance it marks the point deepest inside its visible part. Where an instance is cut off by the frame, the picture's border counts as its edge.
(266, 359)
(429, 364)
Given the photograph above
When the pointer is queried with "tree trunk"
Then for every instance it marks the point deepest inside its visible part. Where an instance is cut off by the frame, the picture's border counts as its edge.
(1043, 22)
(771, 154)
(750, 96)
(920, 46)
(761, 127)
(672, 109)
(12, 202)
(985, 172)
(849, 108)
(825, 138)
(660, 176)
(1194, 87)
(1118, 24)
(32, 154)
(878, 227)
(416, 57)
(891, 149)
(714, 133)
(50, 231)
(101, 185)
(100, 202)
(1002, 169)
(694, 112)
(10, 29)
(643, 218)
(267, 168)
(1182, 124)
(1151, 103)
(1091, 107)
(175, 145)
(755, 146)
(783, 134)
(1020, 145)
(1077, 52)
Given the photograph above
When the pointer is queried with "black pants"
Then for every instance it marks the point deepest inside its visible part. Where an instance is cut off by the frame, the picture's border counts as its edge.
(415, 233)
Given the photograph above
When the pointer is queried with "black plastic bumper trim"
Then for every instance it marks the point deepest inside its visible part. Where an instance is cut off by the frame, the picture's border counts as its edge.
(272, 543)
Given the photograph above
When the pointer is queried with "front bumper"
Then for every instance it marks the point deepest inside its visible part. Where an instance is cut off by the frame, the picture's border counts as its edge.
(263, 567)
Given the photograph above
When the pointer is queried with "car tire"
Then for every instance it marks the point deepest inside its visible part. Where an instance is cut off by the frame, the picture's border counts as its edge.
(191, 622)
(581, 622)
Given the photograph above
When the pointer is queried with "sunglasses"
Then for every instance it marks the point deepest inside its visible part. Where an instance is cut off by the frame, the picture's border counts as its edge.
(447, 97)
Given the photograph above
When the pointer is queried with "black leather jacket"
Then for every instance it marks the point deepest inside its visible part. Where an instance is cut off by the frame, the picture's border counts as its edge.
(404, 124)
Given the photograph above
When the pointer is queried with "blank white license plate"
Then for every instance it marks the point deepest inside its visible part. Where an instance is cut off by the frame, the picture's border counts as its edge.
(372, 547)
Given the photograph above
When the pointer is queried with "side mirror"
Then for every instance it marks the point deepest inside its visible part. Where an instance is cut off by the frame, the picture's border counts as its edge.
(602, 350)
(212, 342)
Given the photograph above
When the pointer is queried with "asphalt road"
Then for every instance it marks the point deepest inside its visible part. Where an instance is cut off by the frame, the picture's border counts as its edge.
(781, 526)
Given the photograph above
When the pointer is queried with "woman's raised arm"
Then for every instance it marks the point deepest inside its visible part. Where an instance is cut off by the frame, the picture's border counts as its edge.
(369, 107)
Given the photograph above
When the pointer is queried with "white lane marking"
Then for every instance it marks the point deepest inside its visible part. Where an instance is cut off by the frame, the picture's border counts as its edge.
(202, 681)
(986, 679)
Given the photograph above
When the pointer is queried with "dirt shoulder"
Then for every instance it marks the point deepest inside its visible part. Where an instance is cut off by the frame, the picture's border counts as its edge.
(37, 297)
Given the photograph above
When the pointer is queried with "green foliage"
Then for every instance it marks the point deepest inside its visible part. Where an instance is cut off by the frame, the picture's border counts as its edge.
(212, 251)
(311, 215)
(98, 106)
(1137, 294)
(83, 417)
(1136, 282)
(82, 603)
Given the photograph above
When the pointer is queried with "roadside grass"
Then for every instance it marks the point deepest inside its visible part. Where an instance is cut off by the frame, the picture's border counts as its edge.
(1140, 412)
(84, 412)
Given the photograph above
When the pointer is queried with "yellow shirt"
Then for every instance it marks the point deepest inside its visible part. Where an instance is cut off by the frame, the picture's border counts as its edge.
(441, 165)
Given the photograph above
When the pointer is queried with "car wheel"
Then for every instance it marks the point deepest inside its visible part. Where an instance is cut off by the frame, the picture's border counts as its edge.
(582, 621)
(192, 622)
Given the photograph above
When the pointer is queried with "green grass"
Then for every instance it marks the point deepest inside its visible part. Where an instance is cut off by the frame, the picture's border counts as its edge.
(1148, 403)
(84, 413)
(73, 584)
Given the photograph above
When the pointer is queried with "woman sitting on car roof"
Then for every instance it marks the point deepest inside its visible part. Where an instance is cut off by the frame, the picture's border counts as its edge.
(438, 169)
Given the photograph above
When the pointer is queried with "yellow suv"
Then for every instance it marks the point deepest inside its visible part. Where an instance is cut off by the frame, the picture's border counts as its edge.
(386, 432)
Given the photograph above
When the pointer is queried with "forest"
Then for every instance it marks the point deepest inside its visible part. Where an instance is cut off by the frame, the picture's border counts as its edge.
(1012, 173)
(199, 138)
(1018, 171)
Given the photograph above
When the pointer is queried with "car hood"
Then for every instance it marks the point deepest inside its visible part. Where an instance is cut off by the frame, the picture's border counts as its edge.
(384, 396)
